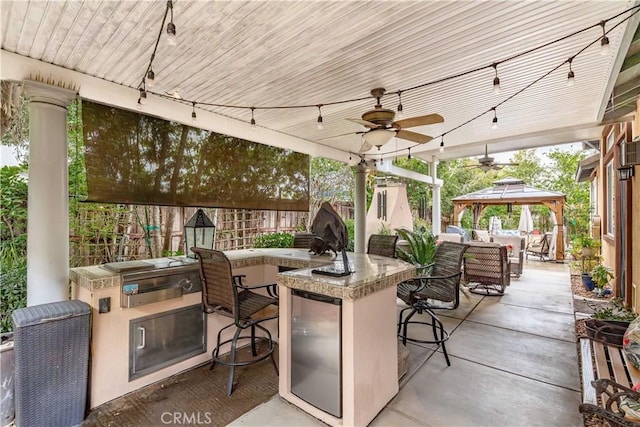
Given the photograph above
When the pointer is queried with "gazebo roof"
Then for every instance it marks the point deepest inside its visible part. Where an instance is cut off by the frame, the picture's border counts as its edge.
(509, 190)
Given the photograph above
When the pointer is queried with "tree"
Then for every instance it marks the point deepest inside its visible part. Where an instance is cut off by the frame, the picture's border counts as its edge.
(329, 181)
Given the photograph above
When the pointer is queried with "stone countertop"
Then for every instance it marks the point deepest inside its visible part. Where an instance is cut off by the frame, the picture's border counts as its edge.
(371, 272)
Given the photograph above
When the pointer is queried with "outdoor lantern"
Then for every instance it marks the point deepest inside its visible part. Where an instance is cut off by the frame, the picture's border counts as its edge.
(199, 232)
(625, 172)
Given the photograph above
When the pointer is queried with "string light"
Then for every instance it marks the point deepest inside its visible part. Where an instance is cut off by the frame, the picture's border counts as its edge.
(441, 149)
(605, 48)
(571, 77)
(381, 161)
(400, 108)
(253, 120)
(494, 122)
(409, 155)
(151, 78)
(194, 118)
(139, 105)
(142, 100)
(320, 125)
(496, 79)
(171, 27)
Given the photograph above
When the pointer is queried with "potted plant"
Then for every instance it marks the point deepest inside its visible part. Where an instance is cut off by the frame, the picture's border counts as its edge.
(601, 275)
(420, 247)
(609, 322)
(587, 244)
(586, 266)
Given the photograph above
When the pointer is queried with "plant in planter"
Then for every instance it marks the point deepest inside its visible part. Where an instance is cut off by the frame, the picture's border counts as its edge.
(587, 244)
(421, 249)
(609, 322)
(601, 275)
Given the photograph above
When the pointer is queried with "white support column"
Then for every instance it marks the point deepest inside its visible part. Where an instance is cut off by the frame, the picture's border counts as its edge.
(436, 207)
(360, 208)
(48, 208)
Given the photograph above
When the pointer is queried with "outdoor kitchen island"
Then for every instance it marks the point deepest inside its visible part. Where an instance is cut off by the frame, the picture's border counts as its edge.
(368, 347)
(369, 344)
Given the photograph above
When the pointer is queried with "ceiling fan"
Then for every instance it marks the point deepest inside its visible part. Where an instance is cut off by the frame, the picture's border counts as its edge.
(382, 127)
(487, 163)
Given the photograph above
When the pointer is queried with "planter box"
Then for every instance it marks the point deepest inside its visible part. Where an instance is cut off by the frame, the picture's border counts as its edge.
(611, 331)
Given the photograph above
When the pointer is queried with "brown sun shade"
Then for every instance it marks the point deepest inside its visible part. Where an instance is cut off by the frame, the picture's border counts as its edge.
(139, 159)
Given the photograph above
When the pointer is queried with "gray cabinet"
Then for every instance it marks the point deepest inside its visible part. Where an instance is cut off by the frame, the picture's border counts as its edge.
(163, 339)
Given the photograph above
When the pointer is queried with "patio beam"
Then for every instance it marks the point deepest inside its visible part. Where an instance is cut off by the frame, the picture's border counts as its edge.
(19, 68)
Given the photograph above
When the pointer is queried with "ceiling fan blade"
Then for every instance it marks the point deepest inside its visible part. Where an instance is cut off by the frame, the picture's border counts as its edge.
(507, 164)
(365, 123)
(429, 119)
(413, 136)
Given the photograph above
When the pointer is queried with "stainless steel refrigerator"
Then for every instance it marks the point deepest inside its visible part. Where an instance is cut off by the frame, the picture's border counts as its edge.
(316, 350)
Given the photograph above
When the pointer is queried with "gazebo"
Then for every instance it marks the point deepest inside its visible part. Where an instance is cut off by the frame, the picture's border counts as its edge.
(512, 191)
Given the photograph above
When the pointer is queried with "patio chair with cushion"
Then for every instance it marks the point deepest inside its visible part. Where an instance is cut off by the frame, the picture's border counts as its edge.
(480, 235)
(436, 287)
(450, 237)
(224, 293)
(381, 244)
(486, 268)
(515, 249)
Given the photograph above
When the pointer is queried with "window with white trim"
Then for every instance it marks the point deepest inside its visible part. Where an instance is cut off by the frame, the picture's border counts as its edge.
(609, 194)
(611, 139)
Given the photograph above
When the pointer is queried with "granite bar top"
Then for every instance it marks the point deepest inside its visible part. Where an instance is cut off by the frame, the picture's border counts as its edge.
(371, 272)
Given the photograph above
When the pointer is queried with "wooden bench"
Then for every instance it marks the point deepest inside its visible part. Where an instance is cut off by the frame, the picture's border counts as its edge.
(607, 376)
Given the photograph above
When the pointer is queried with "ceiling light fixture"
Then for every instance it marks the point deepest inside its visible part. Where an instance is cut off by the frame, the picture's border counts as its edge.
(171, 27)
(194, 118)
(378, 137)
(253, 120)
(400, 108)
(605, 48)
(494, 122)
(571, 77)
(496, 79)
(320, 125)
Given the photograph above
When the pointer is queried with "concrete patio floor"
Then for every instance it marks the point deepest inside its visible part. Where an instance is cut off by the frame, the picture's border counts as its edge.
(513, 363)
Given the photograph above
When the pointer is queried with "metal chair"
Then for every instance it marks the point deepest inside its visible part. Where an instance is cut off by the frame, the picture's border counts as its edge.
(436, 287)
(225, 294)
(382, 244)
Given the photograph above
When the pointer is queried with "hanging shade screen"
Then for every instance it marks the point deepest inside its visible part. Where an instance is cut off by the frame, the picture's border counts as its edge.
(138, 159)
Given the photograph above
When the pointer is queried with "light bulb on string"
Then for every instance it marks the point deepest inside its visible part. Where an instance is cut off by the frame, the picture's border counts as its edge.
(381, 161)
(496, 79)
(194, 118)
(605, 48)
(320, 124)
(139, 104)
(400, 108)
(143, 97)
(253, 120)
(171, 27)
(571, 77)
(441, 149)
(494, 122)
(151, 78)
(409, 155)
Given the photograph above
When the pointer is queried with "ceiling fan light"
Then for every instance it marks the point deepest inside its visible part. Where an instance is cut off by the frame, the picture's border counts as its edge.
(378, 137)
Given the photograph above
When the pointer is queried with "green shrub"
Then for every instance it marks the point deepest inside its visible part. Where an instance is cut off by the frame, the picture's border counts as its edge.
(273, 240)
(13, 292)
(351, 231)
(422, 247)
